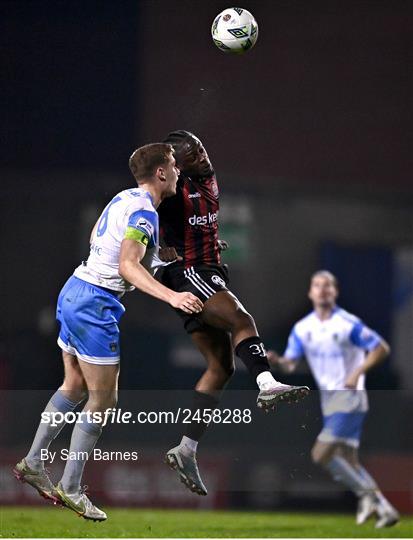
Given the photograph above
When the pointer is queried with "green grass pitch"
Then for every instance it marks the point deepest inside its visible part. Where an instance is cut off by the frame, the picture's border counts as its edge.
(49, 522)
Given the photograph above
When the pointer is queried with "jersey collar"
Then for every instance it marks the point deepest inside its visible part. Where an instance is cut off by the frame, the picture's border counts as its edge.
(333, 312)
(148, 196)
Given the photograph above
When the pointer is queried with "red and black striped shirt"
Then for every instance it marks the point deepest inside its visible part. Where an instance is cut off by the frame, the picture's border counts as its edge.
(189, 220)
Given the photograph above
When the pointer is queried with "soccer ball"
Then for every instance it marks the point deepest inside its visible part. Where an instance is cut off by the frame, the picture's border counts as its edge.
(234, 30)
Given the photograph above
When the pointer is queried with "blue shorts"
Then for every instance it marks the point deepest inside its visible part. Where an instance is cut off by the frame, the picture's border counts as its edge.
(344, 427)
(89, 317)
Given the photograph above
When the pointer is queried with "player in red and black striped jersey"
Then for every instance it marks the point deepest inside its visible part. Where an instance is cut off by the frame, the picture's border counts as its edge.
(189, 223)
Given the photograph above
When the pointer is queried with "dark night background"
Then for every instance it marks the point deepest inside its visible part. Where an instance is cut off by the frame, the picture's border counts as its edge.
(319, 112)
(311, 136)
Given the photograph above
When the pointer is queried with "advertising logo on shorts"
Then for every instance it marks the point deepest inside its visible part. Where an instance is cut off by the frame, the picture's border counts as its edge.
(218, 280)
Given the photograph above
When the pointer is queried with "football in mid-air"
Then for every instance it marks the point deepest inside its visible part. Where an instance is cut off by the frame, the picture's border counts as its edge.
(234, 30)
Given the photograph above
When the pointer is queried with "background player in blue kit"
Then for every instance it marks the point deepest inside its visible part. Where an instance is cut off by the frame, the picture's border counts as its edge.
(334, 342)
(123, 255)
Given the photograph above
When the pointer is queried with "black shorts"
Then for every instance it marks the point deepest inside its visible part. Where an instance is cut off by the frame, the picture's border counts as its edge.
(203, 281)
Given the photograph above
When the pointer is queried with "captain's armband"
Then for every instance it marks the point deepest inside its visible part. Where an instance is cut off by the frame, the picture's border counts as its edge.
(135, 234)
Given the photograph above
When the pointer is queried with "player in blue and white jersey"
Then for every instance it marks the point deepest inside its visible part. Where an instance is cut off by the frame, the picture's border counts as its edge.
(123, 256)
(340, 349)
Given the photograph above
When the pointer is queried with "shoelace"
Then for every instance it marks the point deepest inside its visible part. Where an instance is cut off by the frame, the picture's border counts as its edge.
(46, 473)
(88, 503)
(84, 493)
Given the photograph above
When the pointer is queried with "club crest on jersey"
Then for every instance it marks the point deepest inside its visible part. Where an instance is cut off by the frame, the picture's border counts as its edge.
(214, 188)
(218, 280)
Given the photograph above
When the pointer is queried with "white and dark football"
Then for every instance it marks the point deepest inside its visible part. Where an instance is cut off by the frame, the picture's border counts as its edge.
(234, 30)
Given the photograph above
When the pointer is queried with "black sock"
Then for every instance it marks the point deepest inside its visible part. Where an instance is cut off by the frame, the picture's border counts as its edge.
(200, 402)
(252, 353)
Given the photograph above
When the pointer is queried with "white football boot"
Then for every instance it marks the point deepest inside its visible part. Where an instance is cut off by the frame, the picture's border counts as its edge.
(80, 503)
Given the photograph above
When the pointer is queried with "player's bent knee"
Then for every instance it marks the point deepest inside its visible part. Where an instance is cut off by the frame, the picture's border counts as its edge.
(100, 401)
(79, 395)
(226, 373)
(322, 454)
(222, 372)
(244, 321)
(74, 387)
(114, 400)
(318, 457)
(111, 401)
(74, 382)
(230, 370)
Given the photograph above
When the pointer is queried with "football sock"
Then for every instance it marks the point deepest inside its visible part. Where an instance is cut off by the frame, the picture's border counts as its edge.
(373, 487)
(368, 479)
(200, 402)
(266, 380)
(84, 437)
(341, 470)
(188, 446)
(252, 353)
(47, 431)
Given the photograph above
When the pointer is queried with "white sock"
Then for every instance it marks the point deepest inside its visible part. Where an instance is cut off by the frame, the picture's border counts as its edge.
(188, 446)
(341, 470)
(84, 437)
(47, 432)
(266, 380)
(374, 488)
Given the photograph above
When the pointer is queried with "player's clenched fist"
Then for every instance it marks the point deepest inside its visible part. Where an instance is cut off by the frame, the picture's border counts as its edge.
(187, 302)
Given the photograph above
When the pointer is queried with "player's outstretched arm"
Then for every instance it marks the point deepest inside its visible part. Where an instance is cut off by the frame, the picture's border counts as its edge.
(130, 268)
(373, 358)
(284, 364)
